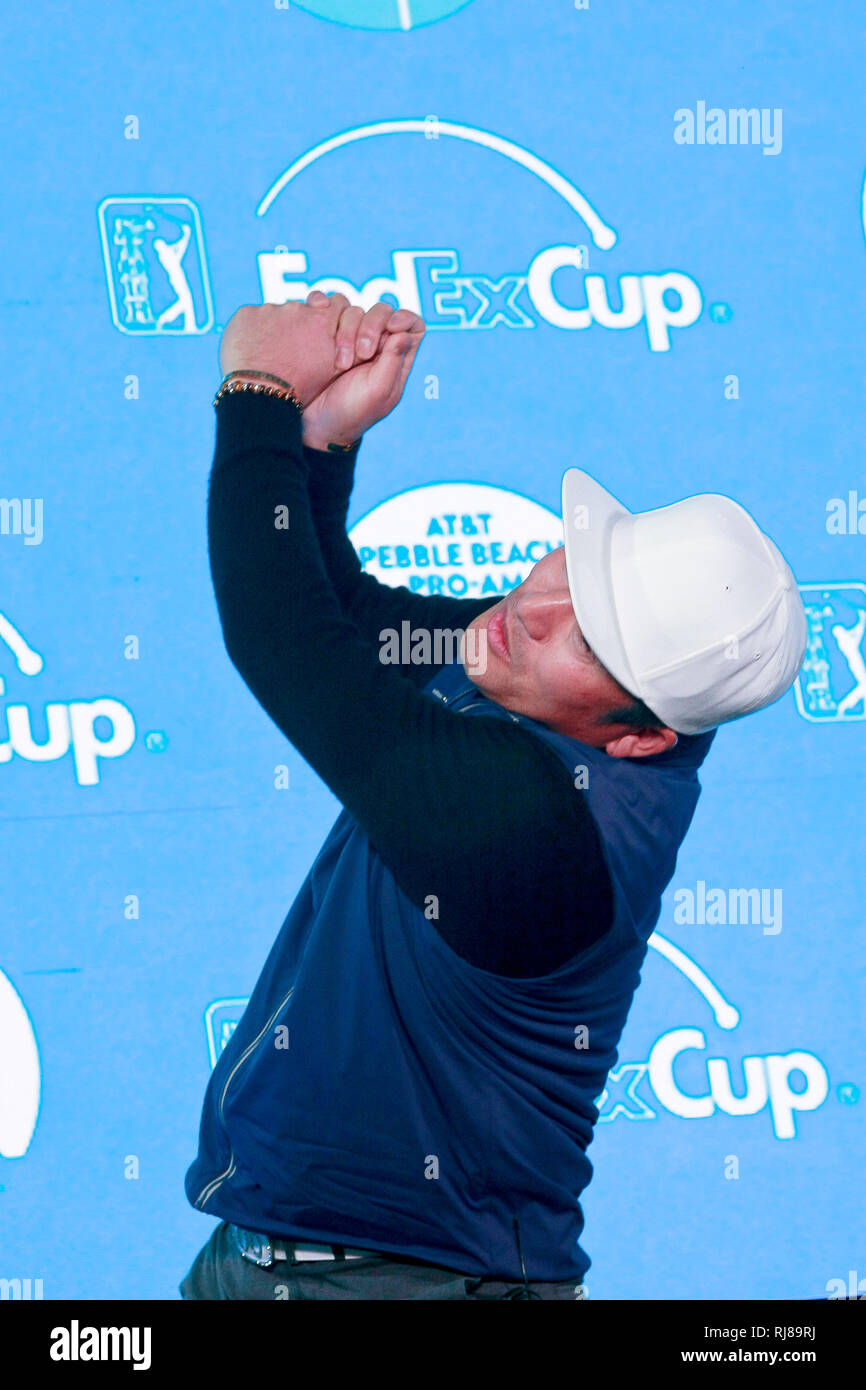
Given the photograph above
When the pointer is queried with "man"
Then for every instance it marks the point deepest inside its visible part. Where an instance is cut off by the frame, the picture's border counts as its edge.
(404, 1109)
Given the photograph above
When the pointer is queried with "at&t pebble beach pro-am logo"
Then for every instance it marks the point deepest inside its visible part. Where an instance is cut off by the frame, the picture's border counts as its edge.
(90, 729)
(431, 282)
(155, 265)
(831, 686)
(382, 14)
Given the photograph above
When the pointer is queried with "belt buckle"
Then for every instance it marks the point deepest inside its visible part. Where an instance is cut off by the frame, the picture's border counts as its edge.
(254, 1247)
(311, 1251)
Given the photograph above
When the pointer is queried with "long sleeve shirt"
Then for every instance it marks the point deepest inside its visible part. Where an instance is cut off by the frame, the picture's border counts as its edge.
(512, 858)
(415, 1082)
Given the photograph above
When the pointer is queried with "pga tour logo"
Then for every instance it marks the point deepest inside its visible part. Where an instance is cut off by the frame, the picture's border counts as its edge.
(831, 686)
(155, 266)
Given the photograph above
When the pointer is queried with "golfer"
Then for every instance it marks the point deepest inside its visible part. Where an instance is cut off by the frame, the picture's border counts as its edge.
(405, 1107)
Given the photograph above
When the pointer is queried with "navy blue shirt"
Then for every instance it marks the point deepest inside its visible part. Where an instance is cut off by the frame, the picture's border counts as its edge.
(441, 1066)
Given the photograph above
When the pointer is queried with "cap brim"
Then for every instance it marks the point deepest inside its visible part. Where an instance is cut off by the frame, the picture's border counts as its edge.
(589, 514)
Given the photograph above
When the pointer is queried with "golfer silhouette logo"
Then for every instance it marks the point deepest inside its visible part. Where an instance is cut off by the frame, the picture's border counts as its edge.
(155, 266)
(831, 686)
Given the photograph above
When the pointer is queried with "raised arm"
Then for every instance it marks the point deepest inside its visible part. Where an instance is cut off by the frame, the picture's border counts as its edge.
(332, 427)
(476, 812)
(372, 606)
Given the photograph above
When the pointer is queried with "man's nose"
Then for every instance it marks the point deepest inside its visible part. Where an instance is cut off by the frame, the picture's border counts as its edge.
(544, 611)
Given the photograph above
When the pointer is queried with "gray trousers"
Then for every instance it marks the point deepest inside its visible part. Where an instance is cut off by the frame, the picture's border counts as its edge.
(220, 1271)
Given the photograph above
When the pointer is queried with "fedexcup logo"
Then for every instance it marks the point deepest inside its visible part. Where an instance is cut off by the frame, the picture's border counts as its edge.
(20, 1073)
(431, 282)
(155, 266)
(90, 729)
(765, 1083)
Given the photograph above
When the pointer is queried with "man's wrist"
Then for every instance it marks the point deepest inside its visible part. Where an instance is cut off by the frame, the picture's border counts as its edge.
(330, 446)
(260, 381)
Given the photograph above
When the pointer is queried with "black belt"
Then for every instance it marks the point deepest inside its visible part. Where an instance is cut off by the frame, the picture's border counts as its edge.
(265, 1250)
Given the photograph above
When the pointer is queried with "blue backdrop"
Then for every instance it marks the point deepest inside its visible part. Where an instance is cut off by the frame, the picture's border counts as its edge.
(636, 235)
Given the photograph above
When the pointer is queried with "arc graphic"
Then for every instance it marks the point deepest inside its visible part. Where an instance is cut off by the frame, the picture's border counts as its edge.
(724, 1012)
(27, 659)
(602, 235)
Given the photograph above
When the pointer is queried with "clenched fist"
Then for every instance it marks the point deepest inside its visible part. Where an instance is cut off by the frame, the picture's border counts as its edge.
(347, 366)
(293, 341)
(376, 348)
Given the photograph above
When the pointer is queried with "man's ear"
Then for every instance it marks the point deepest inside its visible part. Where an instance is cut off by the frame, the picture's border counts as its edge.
(641, 743)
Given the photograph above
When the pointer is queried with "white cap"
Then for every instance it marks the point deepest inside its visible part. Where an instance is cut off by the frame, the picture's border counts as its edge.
(690, 607)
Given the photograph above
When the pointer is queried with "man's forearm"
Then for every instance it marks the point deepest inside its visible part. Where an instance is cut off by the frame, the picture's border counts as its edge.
(372, 606)
(404, 766)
